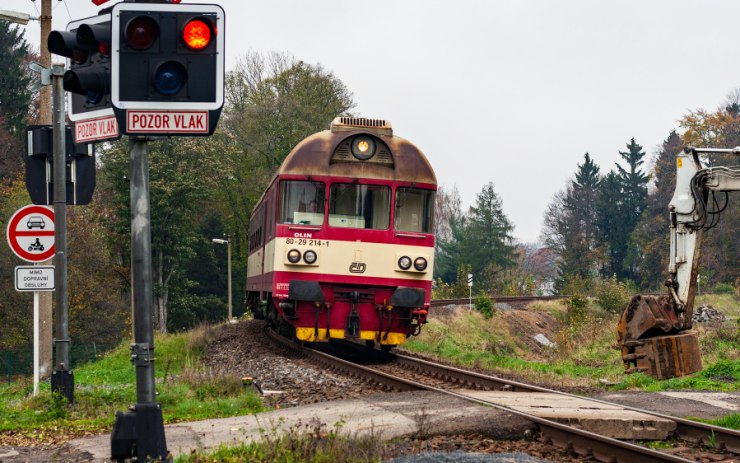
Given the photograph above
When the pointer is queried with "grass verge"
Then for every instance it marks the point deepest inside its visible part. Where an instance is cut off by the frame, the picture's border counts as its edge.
(186, 389)
(583, 353)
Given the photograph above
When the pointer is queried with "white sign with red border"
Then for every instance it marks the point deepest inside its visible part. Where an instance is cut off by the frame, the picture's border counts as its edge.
(30, 233)
(35, 278)
(101, 128)
(166, 121)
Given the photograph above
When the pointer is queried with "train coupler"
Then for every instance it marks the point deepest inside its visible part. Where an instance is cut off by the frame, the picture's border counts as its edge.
(352, 326)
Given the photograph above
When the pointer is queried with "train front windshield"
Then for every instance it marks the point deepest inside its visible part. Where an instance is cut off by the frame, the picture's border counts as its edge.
(302, 202)
(414, 210)
(359, 206)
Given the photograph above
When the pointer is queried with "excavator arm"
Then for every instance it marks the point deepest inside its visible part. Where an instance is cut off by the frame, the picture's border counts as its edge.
(654, 332)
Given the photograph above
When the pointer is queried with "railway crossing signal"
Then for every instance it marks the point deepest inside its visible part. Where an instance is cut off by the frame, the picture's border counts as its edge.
(87, 45)
(167, 68)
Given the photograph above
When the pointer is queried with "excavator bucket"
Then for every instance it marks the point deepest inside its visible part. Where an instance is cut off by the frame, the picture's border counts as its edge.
(649, 338)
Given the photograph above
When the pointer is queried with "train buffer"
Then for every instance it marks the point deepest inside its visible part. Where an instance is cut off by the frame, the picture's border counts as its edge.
(609, 420)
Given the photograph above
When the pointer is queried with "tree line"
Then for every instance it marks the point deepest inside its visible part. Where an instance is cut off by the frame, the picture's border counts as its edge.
(615, 225)
(205, 188)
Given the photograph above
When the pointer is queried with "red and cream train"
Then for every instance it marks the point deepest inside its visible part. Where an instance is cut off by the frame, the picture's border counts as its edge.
(342, 241)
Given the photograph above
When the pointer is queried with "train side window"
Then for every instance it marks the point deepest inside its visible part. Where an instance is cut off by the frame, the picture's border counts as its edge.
(414, 210)
(359, 206)
(302, 202)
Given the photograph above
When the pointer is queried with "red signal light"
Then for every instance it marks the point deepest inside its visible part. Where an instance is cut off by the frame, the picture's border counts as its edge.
(104, 48)
(141, 32)
(197, 34)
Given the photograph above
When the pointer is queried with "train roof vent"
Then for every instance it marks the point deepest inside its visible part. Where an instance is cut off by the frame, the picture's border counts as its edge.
(347, 124)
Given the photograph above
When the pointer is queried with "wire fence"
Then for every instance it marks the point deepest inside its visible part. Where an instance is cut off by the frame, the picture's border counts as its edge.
(19, 362)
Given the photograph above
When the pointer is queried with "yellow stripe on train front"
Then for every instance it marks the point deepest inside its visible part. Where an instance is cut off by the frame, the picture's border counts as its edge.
(309, 335)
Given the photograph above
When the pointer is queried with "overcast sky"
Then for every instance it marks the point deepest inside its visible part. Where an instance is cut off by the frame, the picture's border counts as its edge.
(510, 92)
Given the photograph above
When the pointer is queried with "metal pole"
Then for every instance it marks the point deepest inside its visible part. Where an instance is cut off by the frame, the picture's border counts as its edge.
(228, 251)
(141, 270)
(140, 432)
(62, 380)
(36, 342)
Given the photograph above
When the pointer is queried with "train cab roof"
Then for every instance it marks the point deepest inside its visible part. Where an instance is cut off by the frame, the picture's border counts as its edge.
(359, 148)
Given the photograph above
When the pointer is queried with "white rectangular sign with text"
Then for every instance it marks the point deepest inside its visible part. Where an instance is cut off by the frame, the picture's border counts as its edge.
(101, 128)
(36, 278)
(166, 121)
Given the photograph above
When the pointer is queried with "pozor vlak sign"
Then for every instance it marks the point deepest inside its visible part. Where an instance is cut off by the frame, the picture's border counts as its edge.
(30, 233)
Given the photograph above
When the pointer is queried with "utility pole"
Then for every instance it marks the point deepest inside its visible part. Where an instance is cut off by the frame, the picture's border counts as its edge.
(227, 242)
(44, 118)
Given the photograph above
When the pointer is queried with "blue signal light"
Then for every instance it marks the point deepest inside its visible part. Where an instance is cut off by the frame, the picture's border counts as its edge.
(170, 77)
(93, 98)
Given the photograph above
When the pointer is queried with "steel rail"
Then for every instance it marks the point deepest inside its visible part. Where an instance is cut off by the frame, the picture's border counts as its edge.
(582, 442)
(497, 299)
(506, 299)
(693, 431)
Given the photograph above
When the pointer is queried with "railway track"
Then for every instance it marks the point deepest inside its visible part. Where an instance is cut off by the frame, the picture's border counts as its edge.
(386, 370)
(513, 300)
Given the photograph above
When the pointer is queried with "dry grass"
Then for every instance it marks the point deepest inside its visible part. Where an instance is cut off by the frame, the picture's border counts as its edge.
(200, 336)
(585, 336)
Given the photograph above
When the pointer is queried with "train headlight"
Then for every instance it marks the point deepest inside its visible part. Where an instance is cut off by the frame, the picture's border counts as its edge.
(420, 264)
(309, 256)
(294, 256)
(404, 262)
(363, 147)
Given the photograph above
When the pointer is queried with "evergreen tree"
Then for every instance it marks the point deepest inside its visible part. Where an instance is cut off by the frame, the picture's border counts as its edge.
(570, 228)
(610, 226)
(481, 239)
(583, 201)
(448, 251)
(634, 182)
(488, 245)
(15, 94)
(15, 97)
(623, 198)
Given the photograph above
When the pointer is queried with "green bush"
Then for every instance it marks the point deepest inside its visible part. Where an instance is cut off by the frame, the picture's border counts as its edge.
(575, 284)
(723, 288)
(723, 369)
(484, 304)
(612, 295)
(577, 303)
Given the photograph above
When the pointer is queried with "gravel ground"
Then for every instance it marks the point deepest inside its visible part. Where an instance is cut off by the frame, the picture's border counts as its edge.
(287, 379)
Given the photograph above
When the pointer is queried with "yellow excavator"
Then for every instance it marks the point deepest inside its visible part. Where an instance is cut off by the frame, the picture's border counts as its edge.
(654, 332)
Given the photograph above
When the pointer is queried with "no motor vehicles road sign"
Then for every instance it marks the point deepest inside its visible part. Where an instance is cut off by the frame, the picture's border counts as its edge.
(30, 233)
